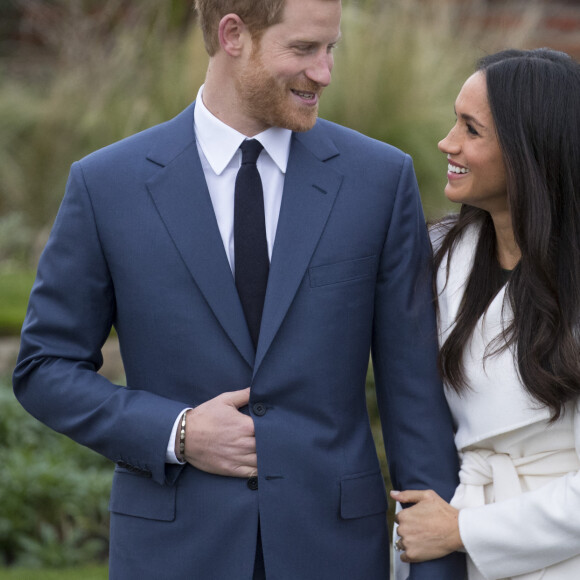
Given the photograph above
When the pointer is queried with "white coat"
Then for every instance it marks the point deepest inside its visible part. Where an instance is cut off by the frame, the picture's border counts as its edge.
(519, 496)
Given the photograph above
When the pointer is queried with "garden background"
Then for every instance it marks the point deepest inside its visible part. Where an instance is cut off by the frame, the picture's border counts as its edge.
(76, 75)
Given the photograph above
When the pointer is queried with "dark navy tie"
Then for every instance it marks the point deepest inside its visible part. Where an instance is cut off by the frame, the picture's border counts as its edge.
(251, 248)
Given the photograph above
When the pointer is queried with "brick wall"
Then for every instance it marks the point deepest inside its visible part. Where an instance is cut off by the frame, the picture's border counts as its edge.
(560, 28)
(556, 24)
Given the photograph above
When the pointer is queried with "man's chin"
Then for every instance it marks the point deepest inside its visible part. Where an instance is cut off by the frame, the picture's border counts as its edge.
(301, 123)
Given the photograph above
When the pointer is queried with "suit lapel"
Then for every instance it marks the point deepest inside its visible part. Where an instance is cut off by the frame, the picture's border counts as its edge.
(180, 194)
(182, 199)
(310, 189)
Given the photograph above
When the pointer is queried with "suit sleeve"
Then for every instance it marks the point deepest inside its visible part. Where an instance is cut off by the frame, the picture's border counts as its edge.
(529, 532)
(70, 314)
(416, 421)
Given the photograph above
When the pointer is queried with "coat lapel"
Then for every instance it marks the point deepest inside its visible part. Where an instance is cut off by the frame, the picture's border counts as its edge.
(180, 194)
(310, 189)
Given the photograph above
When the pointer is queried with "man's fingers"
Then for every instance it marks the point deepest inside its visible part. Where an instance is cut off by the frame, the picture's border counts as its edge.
(249, 468)
(409, 496)
(239, 398)
(220, 439)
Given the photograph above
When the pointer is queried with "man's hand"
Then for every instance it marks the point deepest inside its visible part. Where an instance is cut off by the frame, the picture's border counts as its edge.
(427, 530)
(220, 439)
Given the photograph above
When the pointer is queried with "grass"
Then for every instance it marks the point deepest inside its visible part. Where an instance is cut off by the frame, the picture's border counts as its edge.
(88, 573)
(15, 285)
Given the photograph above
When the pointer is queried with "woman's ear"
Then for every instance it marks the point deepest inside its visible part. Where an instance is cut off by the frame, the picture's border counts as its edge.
(232, 33)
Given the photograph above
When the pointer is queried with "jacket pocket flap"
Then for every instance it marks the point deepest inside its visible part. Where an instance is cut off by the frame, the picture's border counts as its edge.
(362, 495)
(141, 497)
(342, 271)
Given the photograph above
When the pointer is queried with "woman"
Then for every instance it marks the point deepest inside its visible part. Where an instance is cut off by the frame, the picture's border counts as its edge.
(508, 287)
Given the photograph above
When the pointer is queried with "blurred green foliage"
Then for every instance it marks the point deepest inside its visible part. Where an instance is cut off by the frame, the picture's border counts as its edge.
(15, 285)
(93, 72)
(99, 71)
(15, 238)
(53, 494)
(96, 77)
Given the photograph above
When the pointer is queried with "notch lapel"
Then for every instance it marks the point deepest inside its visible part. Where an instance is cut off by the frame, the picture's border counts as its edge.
(179, 192)
(310, 190)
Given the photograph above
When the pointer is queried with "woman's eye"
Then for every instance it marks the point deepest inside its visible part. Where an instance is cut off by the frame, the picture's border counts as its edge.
(471, 130)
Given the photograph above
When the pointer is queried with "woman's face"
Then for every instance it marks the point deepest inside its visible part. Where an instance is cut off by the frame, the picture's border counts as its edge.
(476, 172)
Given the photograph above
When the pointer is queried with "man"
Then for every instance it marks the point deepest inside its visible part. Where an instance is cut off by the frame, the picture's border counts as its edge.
(242, 441)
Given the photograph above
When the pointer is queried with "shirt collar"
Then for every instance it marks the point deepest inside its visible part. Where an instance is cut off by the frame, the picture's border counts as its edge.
(220, 142)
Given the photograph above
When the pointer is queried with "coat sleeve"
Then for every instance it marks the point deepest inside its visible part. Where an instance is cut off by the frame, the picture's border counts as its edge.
(70, 315)
(529, 532)
(417, 424)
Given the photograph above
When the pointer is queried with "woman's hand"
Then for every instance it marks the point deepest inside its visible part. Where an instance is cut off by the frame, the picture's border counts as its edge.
(427, 530)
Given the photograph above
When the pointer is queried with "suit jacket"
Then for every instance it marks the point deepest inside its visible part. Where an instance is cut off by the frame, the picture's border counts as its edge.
(136, 246)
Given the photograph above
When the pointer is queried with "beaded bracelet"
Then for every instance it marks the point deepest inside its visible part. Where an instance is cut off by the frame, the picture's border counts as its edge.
(182, 437)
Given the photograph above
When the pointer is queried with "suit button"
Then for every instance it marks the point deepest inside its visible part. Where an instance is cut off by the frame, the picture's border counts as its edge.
(253, 483)
(259, 409)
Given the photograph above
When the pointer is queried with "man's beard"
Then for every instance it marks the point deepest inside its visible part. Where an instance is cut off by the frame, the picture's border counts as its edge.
(268, 100)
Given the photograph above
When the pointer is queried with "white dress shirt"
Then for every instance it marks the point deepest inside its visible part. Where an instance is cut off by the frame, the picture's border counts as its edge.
(218, 146)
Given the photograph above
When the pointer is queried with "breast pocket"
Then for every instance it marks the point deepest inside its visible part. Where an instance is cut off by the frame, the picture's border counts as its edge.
(340, 272)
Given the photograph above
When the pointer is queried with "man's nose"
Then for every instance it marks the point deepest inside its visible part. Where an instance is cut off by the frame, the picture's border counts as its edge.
(321, 69)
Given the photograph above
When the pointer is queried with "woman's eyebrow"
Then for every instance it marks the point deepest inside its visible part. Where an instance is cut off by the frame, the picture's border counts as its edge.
(469, 119)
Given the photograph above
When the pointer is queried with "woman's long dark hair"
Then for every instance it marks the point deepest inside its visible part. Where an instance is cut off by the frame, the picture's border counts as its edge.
(534, 98)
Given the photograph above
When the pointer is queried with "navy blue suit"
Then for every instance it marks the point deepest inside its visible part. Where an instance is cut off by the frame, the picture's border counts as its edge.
(136, 246)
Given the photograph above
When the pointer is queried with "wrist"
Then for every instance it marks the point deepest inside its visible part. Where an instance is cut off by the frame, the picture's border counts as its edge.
(457, 541)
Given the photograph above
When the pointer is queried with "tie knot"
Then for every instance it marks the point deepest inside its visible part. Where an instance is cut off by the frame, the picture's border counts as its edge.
(250, 151)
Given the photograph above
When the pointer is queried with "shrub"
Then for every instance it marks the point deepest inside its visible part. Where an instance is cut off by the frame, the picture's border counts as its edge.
(53, 493)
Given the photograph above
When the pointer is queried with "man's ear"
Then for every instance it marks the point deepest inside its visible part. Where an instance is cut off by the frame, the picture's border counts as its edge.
(232, 34)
